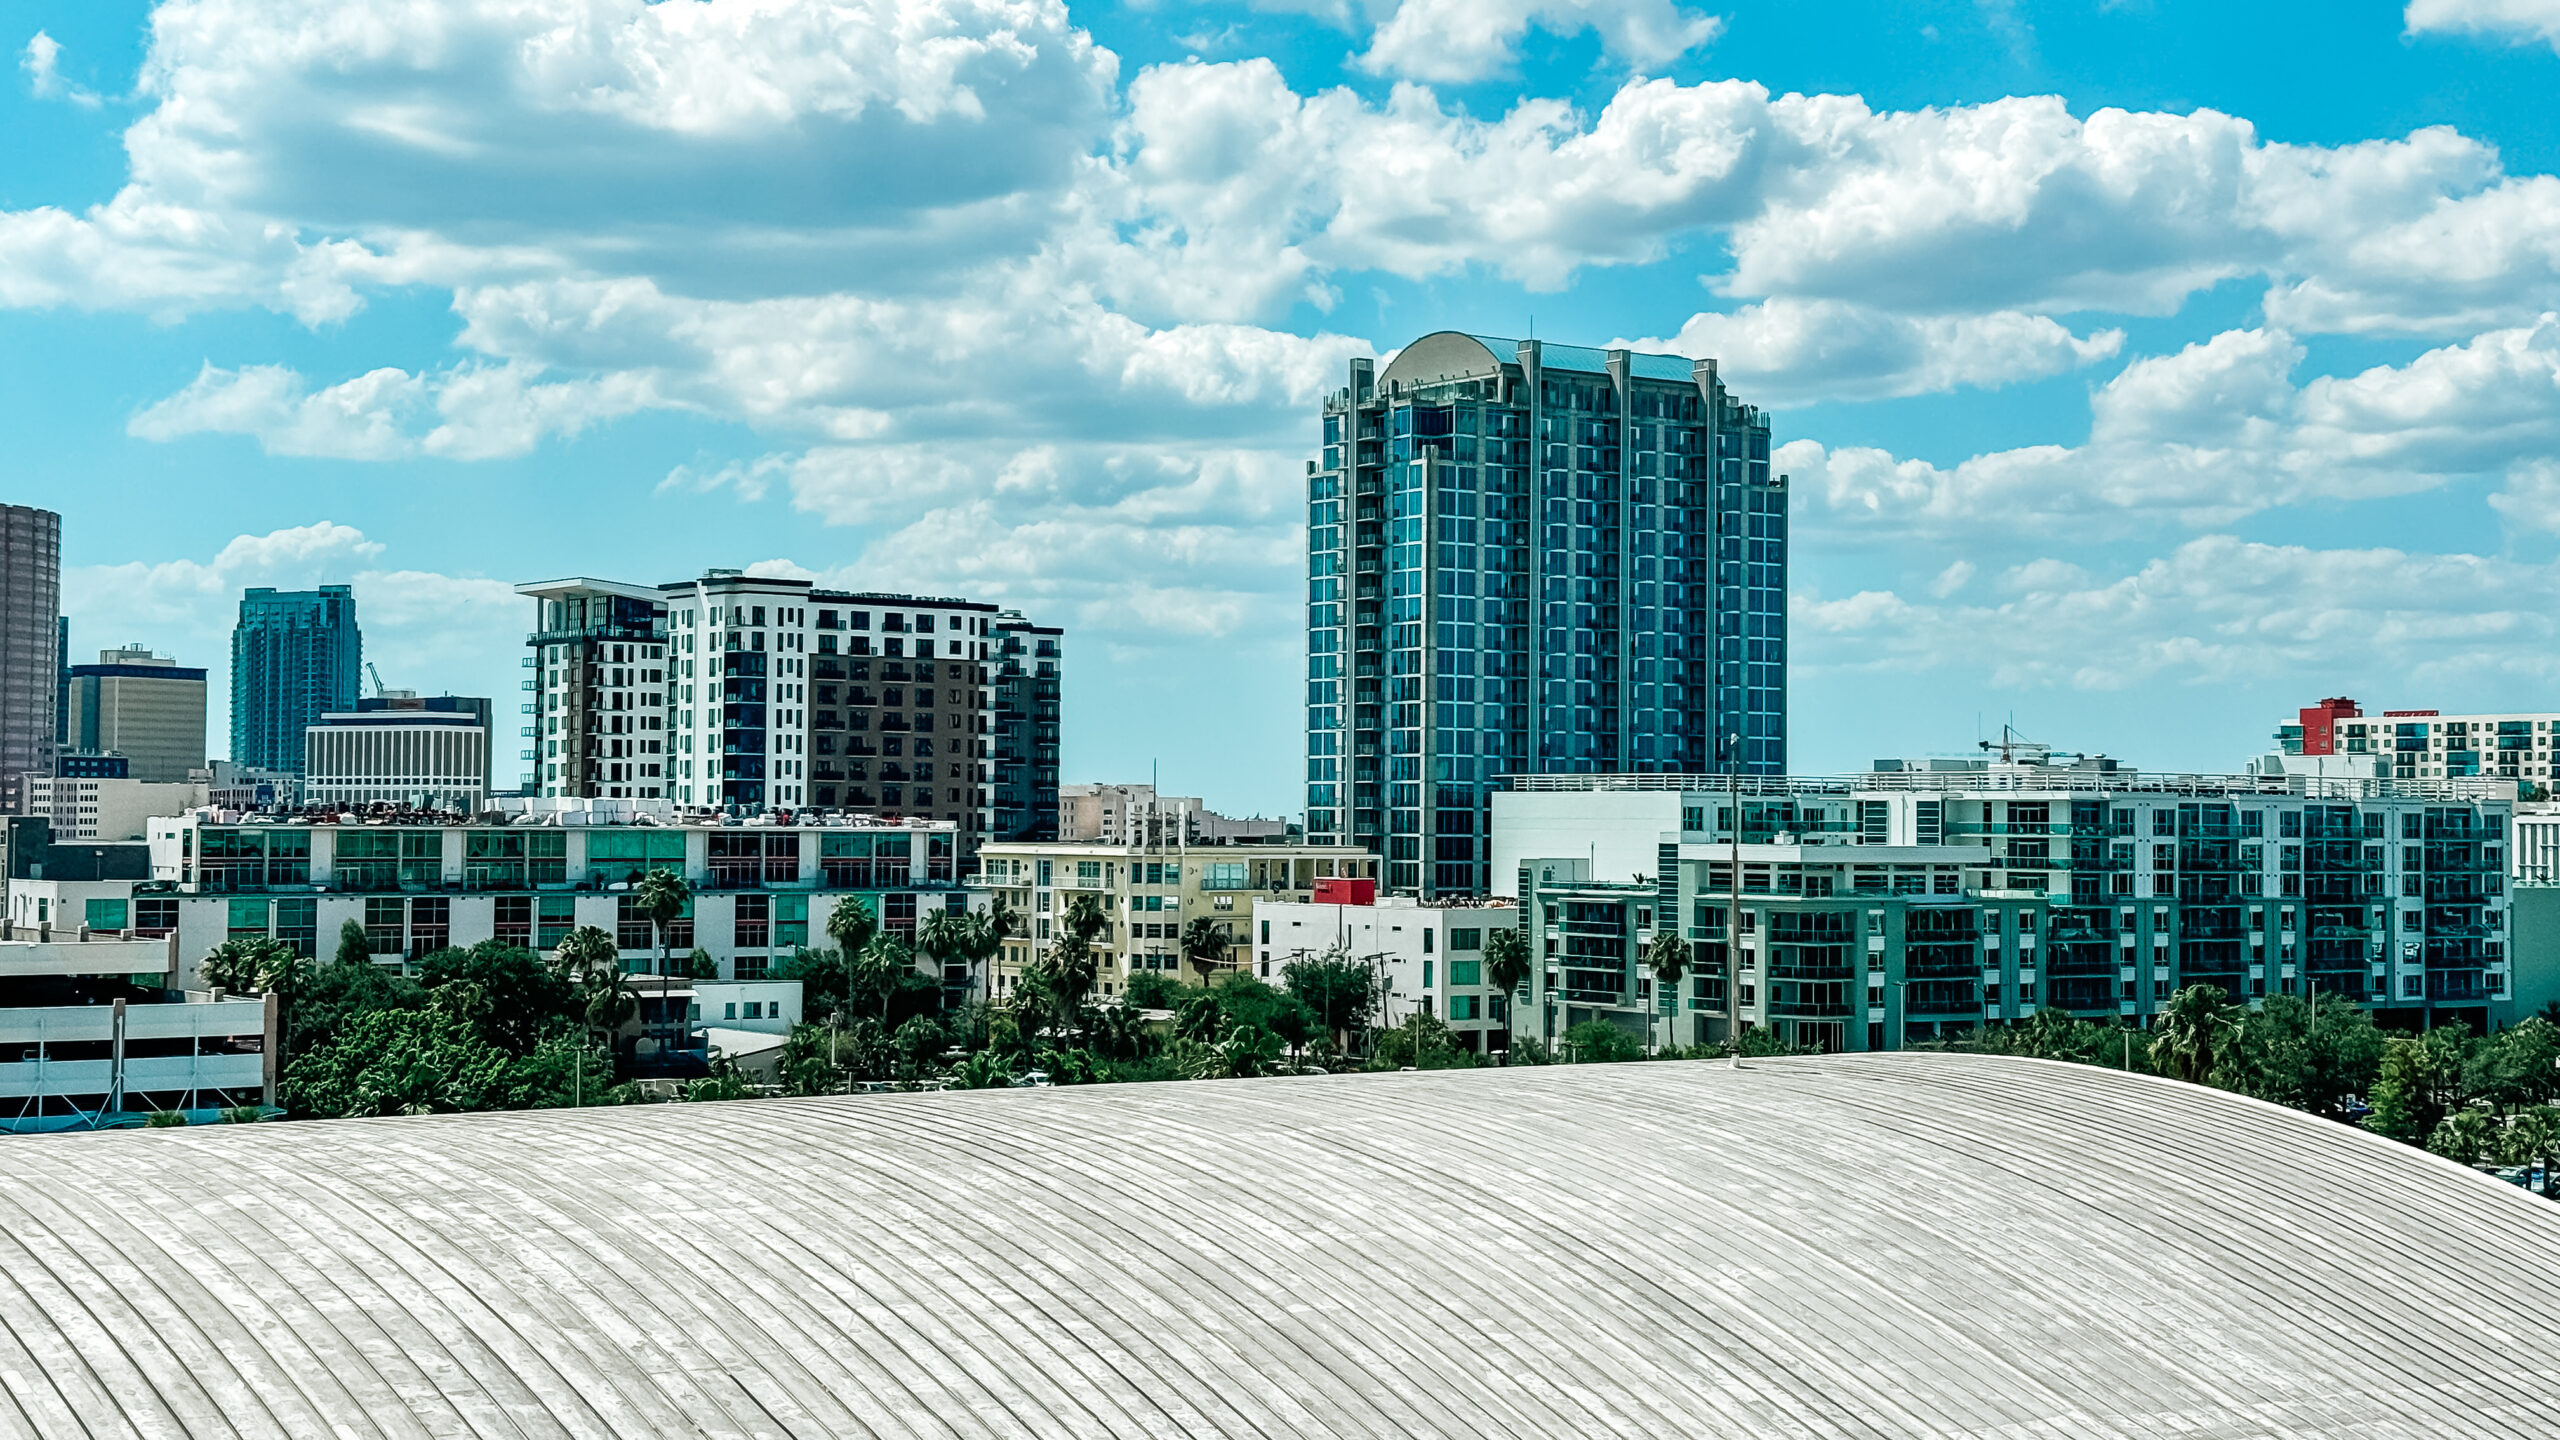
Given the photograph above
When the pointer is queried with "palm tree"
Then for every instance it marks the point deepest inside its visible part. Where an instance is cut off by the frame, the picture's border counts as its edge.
(877, 970)
(283, 972)
(1506, 964)
(2191, 1026)
(235, 965)
(662, 895)
(2464, 1135)
(2534, 1138)
(1667, 955)
(1247, 1051)
(851, 925)
(942, 939)
(1205, 944)
(586, 953)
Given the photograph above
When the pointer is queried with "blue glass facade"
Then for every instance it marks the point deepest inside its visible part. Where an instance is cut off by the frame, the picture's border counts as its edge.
(295, 656)
(1527, 558)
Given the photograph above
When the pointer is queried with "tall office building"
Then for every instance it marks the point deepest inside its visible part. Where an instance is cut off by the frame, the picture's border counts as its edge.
(1526, 558)
(295, 656)
(145, 707)
(1027, 661)
(30, 647)
(477, 707)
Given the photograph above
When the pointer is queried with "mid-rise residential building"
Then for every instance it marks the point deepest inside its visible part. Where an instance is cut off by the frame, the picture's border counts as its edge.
(760, 890)
(2428, 744)
(1429, 958)
(756, 693)
(595, 724)
(86, 808)
(1527, 558)
(296, 655)
(229, 785)
(1137, 815)
(1027, 661)
(1882, 908)
(31, 639)
(145, 707)
(424, 759)
(1148, 894)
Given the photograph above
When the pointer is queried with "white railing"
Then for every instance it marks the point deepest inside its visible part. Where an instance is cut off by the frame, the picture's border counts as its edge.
(2463, 789)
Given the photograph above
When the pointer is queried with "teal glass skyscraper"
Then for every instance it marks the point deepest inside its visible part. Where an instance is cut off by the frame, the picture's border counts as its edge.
(1525, 558)
(295, 656)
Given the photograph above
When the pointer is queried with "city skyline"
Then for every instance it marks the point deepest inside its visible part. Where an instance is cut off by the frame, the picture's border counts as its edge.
(2127, 389)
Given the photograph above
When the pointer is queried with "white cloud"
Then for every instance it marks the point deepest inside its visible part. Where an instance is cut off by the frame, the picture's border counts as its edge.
(2520, 21)
(2217, 431)
(42, 60)
(1785, 352)
(482, 411)
(2217, 610)
(1465, 40)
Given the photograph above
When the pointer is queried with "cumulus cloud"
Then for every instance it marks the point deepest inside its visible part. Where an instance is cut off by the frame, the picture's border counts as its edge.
(2216, 610)
(42, 61)
(2521, 22)
(2217, 431)
(1465, 40)
(1787, 352)
(481, 412)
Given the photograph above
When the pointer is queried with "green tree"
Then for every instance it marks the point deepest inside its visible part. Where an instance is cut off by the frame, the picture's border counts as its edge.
(726, 1085)
(398, 1062)
(519, 999)
(1244, 1052)
(699, 965)
(2464, 1135)
(353, 947)
(1342, 992)
(2191, 1031)
(2518, 1066)
(878, 971)
(1122, 1033)
(825, 987)
(851, 925)
(918, 1046)
(2420, 1083)
(1200, 1017)
(1205, 944)
(662, 896)
(985, 1070)
(1667, 956)
(2282, 1053)
(235, 965)
(2533, 1138)
(1530, 1050)
(1755, 1042)
(943, 940)
(1152, 990)
(807, 1065)
(1599, 1042)
(1423, 1042)
(585, 954)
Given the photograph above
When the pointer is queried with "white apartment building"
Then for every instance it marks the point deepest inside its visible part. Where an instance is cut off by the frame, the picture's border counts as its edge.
(2521, 745)
(595, 720)
(427, 759)
(80, 808)
(1430, 956)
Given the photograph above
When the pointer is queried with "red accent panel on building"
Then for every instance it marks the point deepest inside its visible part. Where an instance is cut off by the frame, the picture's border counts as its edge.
(2320, 724)
(1346, 892)
(2410, 714)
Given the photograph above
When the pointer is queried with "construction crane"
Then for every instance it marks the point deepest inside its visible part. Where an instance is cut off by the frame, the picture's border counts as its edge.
(379, 689)
(2013, 748)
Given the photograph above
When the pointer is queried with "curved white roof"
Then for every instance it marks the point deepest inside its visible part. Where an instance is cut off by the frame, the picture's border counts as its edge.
(1875, 1246)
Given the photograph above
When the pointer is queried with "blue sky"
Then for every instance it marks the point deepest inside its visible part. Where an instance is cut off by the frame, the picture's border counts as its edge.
(2144, 369)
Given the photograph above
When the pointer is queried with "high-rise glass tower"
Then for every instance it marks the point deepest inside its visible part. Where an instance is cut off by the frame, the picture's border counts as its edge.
(295, 656)
(1526, 558)
(30, 646)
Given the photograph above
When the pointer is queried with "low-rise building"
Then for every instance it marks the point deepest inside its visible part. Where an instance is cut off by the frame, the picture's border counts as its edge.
(425, 759)
(1429, 957)
(2098, 891)
(94, 1031)
(1148, 895)
(1137, 815)
(80, 808)
(760, 891)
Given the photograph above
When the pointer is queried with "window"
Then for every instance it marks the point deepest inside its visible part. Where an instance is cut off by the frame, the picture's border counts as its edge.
(512, 919)
(155, 916)
(384, 924)
(559, 915)
(106, 914)
(790, 920)
(1458, 939)
(1466, 972)
(248, 920)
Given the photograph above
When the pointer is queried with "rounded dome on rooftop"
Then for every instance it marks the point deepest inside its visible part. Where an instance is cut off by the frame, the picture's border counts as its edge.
(1893, 1245)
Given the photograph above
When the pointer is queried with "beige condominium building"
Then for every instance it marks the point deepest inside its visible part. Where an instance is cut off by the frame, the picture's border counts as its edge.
(1148, 895)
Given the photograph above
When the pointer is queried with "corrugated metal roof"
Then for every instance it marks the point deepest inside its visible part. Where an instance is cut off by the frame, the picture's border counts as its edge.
(1938, 1246)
